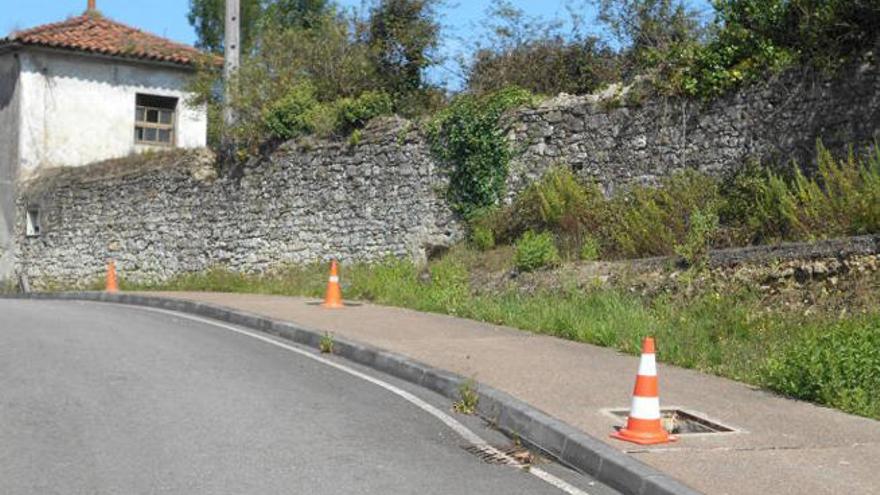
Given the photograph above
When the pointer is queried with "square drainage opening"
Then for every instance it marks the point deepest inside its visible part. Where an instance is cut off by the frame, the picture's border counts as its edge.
(680, 422)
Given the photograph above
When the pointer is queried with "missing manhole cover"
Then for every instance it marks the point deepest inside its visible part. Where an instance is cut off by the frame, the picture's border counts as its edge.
(680, 422)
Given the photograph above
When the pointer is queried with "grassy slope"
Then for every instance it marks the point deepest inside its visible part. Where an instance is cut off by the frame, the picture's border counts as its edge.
(814, 351)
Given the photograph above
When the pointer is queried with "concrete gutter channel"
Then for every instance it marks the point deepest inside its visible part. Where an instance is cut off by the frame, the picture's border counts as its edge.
(537, 429)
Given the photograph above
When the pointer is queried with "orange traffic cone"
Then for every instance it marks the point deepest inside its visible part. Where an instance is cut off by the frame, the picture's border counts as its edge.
(111, 285)
(333, 297)
(643, 426)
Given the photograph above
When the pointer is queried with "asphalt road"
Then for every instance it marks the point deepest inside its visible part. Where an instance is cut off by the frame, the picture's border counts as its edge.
(103, 399)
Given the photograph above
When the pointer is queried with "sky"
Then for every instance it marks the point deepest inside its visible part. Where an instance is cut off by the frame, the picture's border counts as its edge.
(460, 20)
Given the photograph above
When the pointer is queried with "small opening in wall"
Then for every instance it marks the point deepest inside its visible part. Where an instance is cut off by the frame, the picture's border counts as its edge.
(33, 222)
(154, 120)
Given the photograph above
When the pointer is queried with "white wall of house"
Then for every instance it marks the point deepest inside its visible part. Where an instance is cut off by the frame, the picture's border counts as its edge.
(78, 109)
(9, 118)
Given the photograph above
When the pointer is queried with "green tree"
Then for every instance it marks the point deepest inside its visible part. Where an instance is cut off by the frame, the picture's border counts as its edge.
(548, 66)
(755, 38)
(404, 36)
(647, 27)
(544, 56)
(820, 31)
(330, 60)
(305, 14)
(208, 19)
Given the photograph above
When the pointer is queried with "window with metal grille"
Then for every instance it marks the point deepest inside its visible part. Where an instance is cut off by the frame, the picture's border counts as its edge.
(154, 120)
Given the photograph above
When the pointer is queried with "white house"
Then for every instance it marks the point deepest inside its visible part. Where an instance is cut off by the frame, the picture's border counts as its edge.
(88, 89)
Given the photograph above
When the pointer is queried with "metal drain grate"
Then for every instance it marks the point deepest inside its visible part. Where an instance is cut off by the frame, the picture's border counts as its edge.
(515, 456)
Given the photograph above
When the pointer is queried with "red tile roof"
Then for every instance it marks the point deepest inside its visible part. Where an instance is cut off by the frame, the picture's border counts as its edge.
(93, 33)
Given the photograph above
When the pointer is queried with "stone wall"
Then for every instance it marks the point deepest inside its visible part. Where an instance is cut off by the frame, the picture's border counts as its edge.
(617, 139)
(169, 214)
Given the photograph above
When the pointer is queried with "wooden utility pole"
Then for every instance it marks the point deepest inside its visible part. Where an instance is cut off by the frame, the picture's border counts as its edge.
(232, 47)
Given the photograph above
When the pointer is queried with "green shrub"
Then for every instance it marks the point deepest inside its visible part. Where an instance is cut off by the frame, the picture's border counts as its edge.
(651, 221)
(755, 38)
(640, 221)
(355, 138)
(837, 365)
(487, 226)
(708, 71)
(843, 198)
(544, 204)
(535, 251)
(558, 203)
(545, 66)
(299, 113)
(467, 139)
(821, 32)
(343, 53)
(322, 120)
(744, 208)
(690, 211)
(354, 113)
(590, 249)
(328, 53)
(703, 226)
(288, 117)
(482, 238)
(546, 57)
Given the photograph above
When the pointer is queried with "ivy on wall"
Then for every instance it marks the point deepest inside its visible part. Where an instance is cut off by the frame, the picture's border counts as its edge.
(466, 138)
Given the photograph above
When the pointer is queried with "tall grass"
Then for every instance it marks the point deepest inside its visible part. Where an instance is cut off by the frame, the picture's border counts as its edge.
(652, 221)
(837, 364)
(843, 199)
(729, 334)
(690, 211)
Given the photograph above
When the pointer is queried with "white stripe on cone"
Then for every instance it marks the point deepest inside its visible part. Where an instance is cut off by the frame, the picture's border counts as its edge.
(648, 365)
(645, 408)
(334, 278)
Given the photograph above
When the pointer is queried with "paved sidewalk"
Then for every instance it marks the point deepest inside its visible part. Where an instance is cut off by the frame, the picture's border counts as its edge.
(784, 446)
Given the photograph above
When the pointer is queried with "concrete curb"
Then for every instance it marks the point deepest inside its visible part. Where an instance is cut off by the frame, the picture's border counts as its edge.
(513, 416)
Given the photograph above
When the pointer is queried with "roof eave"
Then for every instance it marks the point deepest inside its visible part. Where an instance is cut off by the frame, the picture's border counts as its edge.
(8, 45)
(190, 66)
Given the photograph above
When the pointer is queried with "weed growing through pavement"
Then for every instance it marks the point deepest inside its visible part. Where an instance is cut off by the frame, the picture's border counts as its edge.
(326, 344)
(468, 398)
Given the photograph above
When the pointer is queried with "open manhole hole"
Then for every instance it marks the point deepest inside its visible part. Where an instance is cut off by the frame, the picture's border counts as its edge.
(680, 422)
